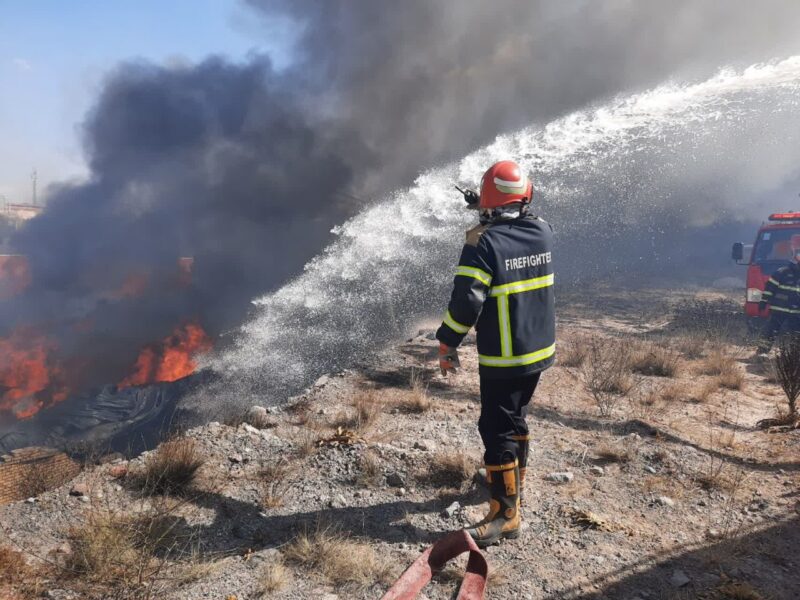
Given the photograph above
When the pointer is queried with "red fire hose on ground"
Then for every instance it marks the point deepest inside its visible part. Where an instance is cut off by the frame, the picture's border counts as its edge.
(433, 559)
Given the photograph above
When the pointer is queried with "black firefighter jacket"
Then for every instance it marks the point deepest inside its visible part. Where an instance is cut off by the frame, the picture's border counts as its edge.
(782, 291)
(504, 286)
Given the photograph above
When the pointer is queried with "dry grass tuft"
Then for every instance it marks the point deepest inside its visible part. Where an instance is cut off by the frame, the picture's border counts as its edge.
(655, 360)
(272, 478)
(370, 471)
(339, 559)
(450, 469)
(572, 353)
(418, 401)
(717, 362)
(611, 454)
(702, 393)
(306, 441)
(737, 590)
(363, 416)
(732, 378)
(172, 468)
(274, 577)
(13, 567)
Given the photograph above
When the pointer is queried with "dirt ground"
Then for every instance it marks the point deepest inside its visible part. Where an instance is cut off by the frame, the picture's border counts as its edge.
(674, 492)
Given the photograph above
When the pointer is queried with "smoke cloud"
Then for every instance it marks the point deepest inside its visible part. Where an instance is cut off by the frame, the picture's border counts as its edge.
(246, 168)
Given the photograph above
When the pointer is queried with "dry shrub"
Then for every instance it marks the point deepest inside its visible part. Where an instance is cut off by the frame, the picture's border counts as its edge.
(654, 360)
(127, 555)
(450, 469)
(274, 484)
(703, 392)
(612, 454)
(787, 369)
(606, 372)
(370, 471)
(572, 353)
(173, 467)
(738, 590)
(273, 578)
(339, 559)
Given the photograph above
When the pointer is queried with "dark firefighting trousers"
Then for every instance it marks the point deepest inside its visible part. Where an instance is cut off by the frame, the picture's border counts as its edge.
(504, 405)
(778, 322)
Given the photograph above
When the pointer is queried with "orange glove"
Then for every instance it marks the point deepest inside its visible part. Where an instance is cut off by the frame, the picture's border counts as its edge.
(448, 359)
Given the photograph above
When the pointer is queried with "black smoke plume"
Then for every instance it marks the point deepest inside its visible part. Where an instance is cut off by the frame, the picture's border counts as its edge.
(245, 168)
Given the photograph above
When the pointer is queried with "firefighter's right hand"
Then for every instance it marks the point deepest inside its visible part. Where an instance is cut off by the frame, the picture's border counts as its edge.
(448, 359)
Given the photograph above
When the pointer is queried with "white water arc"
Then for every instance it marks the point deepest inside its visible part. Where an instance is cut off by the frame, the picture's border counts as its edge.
(613, 180)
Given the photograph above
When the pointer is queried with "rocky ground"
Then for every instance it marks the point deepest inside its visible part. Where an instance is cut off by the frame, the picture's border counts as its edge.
(671, 492)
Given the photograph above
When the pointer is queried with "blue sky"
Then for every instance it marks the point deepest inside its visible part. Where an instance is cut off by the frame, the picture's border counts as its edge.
(54, 55)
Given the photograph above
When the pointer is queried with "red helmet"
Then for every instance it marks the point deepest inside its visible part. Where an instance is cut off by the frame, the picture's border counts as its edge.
(504, 183)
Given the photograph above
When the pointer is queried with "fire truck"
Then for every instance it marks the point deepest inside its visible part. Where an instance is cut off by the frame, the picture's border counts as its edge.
(771, 250)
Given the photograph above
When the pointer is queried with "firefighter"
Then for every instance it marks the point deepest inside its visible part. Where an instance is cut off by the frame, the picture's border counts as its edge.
(504, 286)
(782, 294)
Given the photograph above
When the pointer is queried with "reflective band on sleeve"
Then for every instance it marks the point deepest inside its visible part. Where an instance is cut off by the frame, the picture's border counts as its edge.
(784, 310)
(475, 273)
(526, 285)
(767, 293)
(772, 281)
(453, 324)
(788, 288)
(517, 361)
(504, 320)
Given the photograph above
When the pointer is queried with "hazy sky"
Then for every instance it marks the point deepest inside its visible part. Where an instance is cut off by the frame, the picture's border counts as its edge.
(54, 56)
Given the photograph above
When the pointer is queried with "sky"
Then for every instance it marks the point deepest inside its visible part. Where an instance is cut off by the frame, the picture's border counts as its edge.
(54, 56)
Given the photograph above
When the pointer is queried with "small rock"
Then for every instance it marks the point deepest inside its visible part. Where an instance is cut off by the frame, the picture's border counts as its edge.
(424, 445)
(79, 489)
(401, 492)
(597, 470)
(561, 477)
(451, 510)
(431, 336)
(713, 534)
(118, 471)
(31, 500)
(322, 381)
(679, 579)
(64, 548)
(394, 479)
(85, 499)
(250, 429)
(665, 501)
(256, 415)
(650, 470)
(235, 458)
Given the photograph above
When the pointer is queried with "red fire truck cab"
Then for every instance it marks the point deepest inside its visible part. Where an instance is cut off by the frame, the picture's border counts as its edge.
(771, 250)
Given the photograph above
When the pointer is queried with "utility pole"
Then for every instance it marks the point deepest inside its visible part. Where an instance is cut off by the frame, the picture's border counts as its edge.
(34, 177)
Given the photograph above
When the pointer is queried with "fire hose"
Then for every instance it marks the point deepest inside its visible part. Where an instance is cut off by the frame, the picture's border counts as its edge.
(433, 559)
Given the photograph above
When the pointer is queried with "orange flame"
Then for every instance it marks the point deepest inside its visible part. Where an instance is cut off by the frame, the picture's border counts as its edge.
(172, 359)
(28, 378)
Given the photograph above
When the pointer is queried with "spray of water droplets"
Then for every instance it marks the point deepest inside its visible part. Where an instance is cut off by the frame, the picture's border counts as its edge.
(629, 182)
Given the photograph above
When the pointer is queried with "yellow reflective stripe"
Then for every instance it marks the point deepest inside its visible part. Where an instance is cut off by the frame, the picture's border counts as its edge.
(504, 320)
(789, 288)
(517, 361)
(523, 286)
(766, 293)
(453, 324)
(772, 280)
(785, 310)
(475, 273)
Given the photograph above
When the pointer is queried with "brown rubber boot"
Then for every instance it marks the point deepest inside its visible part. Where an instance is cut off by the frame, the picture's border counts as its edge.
(503, 519)
(523, 445)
